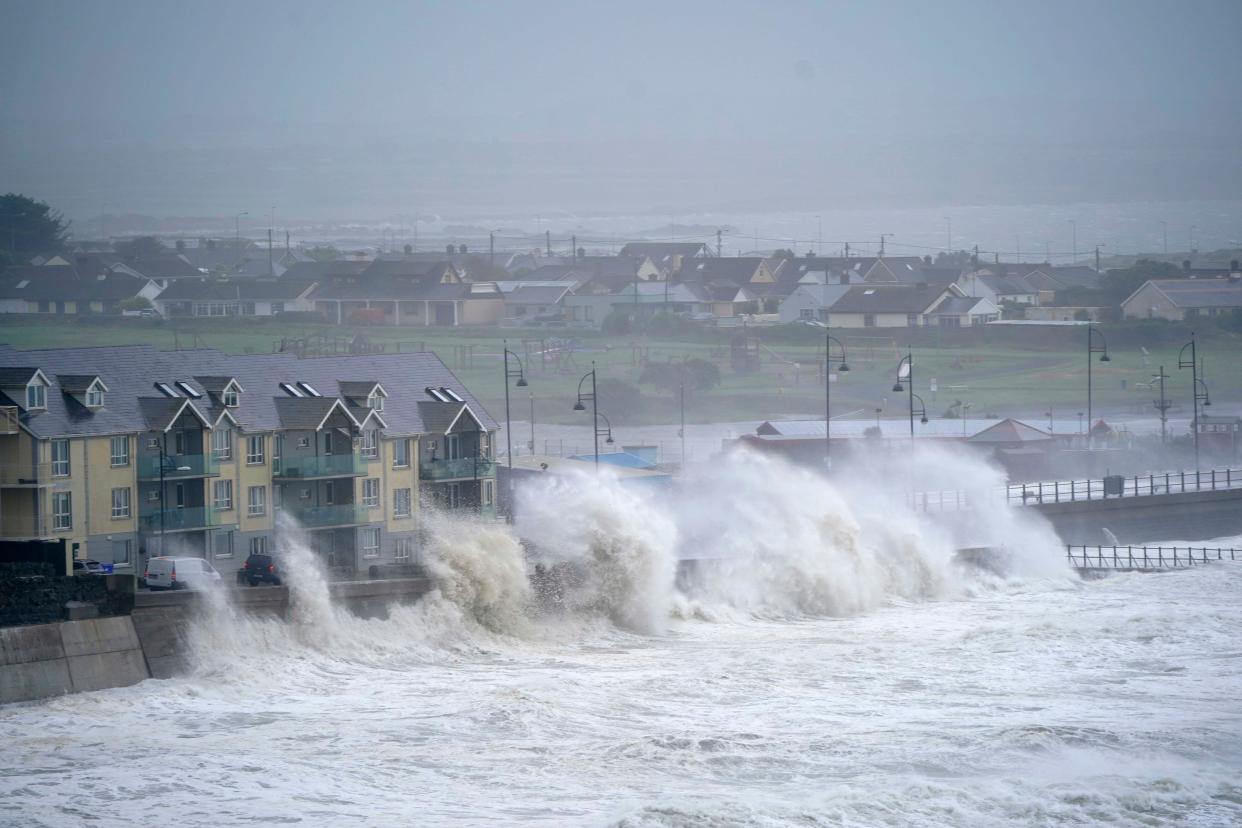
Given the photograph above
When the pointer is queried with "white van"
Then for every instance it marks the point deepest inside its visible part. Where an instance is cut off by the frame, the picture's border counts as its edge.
(180, 573)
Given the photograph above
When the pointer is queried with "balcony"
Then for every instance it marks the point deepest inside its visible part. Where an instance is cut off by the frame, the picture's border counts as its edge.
(9, 420)
(26, 475)
(463, 468)
(25, 527)
(178, 467)
(188, 519)
(327, 517)
(312, 468)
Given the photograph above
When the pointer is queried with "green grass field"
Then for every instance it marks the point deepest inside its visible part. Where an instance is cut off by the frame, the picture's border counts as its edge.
(997, 376)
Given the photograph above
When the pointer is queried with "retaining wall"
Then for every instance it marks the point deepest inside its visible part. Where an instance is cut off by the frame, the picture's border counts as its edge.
(43, 660)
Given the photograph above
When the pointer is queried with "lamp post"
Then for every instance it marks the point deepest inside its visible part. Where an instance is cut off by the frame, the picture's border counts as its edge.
(532, 423)
(1193, 364)
(908, 361)
(510, 373)
(828, 360)
(237, 231)
(1102, 350)
(578, 406)
(681, 432)
(1162, 405)
(965, 412)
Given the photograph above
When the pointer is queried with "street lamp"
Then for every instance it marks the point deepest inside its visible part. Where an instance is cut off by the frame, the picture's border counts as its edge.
(1193, 364)
(965, 413)
(828, 360)
(237, 232)
(922, 409)
(579, 406)
(908, 362)
(1102, 350)
(1162, 405)
(510, 373)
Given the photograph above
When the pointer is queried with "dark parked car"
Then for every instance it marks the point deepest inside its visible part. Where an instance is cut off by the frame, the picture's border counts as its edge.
(259, 569)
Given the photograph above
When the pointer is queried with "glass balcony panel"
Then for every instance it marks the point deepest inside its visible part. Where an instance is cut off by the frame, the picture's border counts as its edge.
(178, 466)
(328, 465)
(319, 517)
(464, 467)
(192, 517)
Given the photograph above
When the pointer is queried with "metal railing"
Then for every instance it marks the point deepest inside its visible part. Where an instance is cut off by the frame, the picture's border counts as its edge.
(1147, 557)
(464, 467)
(178, 466)
(26, 474)
(187, 518)
(1071, 491)
(327, 465)
(322, 517)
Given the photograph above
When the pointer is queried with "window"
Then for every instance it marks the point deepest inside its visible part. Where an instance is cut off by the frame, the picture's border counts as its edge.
(370, 492)
(94, 396)
(868, 320)
(912, 320)
(179, 442)
(401, 454)
(36, 396)
(62, 511)
(370, 543)
(222, 494)
(404, 550)
(807, 314)
(370, 444)
(256, 500)
(202, 309)
(485, 445)
(329, 493)
(122, 552)
(278, 307)
(254, 449)
(229, 397)
(376, 401)
(488, 492)
(327, 442)
(222, 444)
(120, 451)
(60, 458)
(153, 443)
(401, 503)
(120, 503)
(247, 308)
(278, 496)
(222, 545)
(258, 545)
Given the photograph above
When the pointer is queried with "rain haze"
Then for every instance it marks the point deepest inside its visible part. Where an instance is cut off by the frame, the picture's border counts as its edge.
(655, 415)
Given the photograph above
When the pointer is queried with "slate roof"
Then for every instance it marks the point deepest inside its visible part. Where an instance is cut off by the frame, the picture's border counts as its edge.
(737, 269)
(392, 288)
(887, 299)
(319, 271)
(171, 266)
(957, 305)
(1199, 293)
(357, 389)
(304, 413)
(50, 283)
(661, 250)
(76, 383)
(1010, 430)
(130, 372)
(536, 295)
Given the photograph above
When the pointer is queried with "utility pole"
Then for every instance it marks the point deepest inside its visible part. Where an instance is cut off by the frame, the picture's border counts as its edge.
(948, 247)
(1162, 405)
(718, 234)
(491, 248)
(271, 268)
(847, 250)
(1074, 248)
(547, 236)
(1097, 258)
(1164, 227)
(882, 237)
(574, 241)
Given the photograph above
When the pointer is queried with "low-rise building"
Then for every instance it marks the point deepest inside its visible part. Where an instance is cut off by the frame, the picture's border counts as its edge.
(234, 297)
(1182, 299)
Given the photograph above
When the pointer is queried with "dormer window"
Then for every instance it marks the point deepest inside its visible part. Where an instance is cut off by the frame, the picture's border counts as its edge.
(230, 397)
(375, 401)
(36, 396)
(95, 396)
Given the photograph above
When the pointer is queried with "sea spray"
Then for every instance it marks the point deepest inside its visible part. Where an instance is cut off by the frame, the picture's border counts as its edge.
(621, 543)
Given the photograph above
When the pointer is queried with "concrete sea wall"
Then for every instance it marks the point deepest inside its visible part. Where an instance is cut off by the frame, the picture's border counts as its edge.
(43, 660)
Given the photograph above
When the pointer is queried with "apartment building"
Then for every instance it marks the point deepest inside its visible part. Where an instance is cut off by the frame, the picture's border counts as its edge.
(128, 452)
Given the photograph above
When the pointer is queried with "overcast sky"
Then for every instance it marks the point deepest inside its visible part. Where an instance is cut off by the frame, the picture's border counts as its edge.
(169, 107)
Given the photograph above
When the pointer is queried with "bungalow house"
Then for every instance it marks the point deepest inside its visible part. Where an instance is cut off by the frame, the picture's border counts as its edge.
(219, 297)
(640, 300)
(811, 302)
(888, 306)
(963, 312)
(436, 297)
(1183, 299)
(668, 257)
(537, 304)
(999, 288)
(65, 289)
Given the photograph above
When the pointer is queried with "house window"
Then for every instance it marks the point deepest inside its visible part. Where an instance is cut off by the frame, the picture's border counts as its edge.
(488, 492)
(222, 547)
(912, 320)
(62, 511)
(122, 551)
(278, 307)
(247, 308)
(60, 458)
(807, 314)
(370, 492)
(229, 397)
(401, 503)
(868, 320)
(202, 309)
(370, 444)
(178, 442)
(36, 396)
(370, 543)
(376, 401)
(94, 396)
(329, 493)
(258, 545)
(404, 550)
(327, 442)
(222, 444)
(485, 445)
(254, 449)
(256, 501)
(120, 503)
(222, 494)
(120, 451)
(401, 454)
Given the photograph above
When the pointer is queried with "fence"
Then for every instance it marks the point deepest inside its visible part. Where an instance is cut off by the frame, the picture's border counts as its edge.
(1147, 557)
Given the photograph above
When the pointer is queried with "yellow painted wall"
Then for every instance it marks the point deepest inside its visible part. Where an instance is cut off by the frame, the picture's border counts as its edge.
(406, 478)
(101, 479)
(481, 311)
(248, 475)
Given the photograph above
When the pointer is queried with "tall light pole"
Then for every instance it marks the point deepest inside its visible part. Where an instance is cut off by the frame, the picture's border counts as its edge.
(828, 360)
(237, 231)
(819, 236)
(510, 373)
(1074, 248)
(1164, 228)
(532, 423)
(1092, 348)
(1193, 364)
(578, 406)
(908, 361)
(948, 247)
(1162, 405)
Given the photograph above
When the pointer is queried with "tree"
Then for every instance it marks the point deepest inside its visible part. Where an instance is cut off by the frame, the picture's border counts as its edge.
(694, 374)
(29, 228)
(783, 253)
(139, 247)
(618, 400)
(324, 253)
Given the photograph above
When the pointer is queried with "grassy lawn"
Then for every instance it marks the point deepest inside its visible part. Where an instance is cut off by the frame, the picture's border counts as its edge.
(1002, 375)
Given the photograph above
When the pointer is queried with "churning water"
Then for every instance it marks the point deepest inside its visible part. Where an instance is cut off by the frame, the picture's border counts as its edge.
(835, 666)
